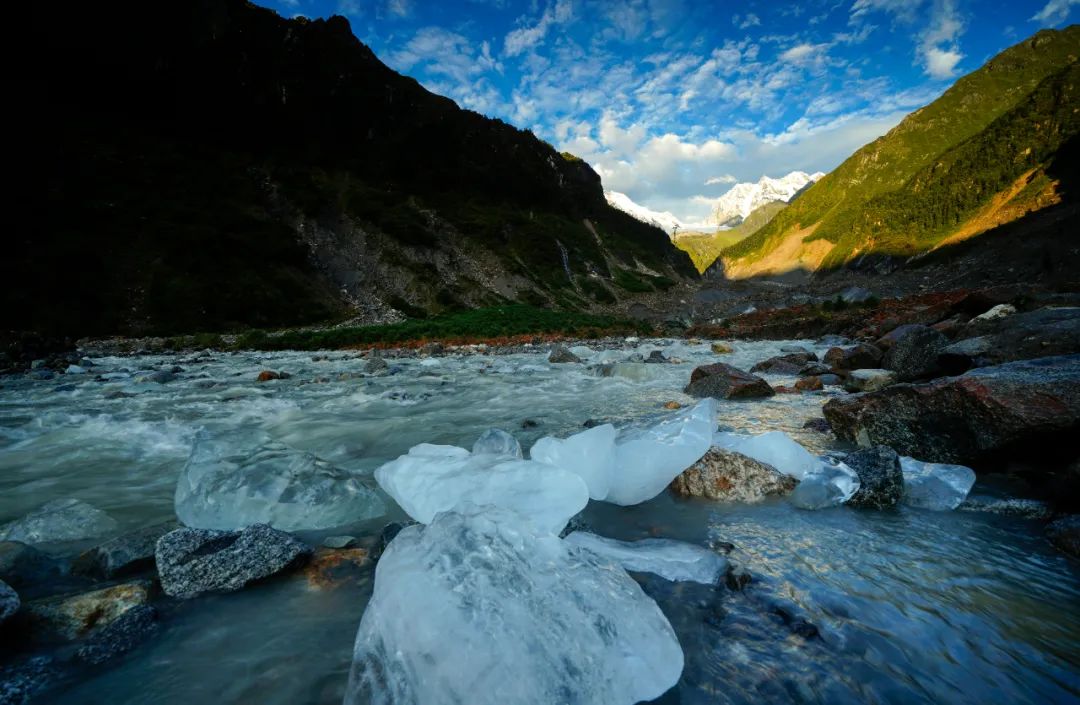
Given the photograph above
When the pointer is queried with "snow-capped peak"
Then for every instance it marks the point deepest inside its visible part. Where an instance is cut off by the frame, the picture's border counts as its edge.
(742, 199)
(665, 220)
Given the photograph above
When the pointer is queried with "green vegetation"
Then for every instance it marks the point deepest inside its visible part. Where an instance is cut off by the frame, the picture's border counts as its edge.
(880, 177)
(704, 248)
(476, 324)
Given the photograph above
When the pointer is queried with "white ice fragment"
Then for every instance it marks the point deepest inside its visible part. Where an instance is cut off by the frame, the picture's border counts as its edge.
(436, 478)
(479, 608)
(75, 370)
(237, 480)
(934, 485)
(829, 485)
(773, 448)
(59, 520)
(671, 560)
(647, 461)
(590, 455)
(496, 441)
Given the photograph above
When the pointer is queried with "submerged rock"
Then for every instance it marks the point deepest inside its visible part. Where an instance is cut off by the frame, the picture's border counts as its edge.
(376, 365)
(536, 621)
(914, 355)
(22, 564)
(789, 364)
(267, 482)
(1024, 407)
(123, 555)
(935, 486)
(193, 561)
(727, 476)
(561, 354)
(74, 617)
(672, 560)
(1065, 534)
(881, 482)
(1009, 506)
(722, 381)
(120, 636)
(9, 601)
(59, 520)
(20, 680)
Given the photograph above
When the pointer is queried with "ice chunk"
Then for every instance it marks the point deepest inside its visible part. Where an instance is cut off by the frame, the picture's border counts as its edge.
(773, 448)
(829, 485)
(495, 441)
(59, 520)
(647, 461)
(435, 478)
(934, 485)
(242, 479)
(478, 608)
(671, 560)
(590, 455)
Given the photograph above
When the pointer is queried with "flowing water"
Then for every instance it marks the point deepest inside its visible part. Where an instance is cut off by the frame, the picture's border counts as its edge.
(910, 605)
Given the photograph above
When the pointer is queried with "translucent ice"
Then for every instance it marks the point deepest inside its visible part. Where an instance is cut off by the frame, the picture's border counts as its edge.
(478, 608)
(590, 455)
(671, 560)
(267, 483)
(59, 520)
(647, 461)
(829, 485)
(495, 441)
(774, 448)
(934, 485)
(435, 478)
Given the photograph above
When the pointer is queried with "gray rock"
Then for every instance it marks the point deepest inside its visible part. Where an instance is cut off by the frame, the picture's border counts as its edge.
(789, 364)
(121, 636)
(869, 380)
(23, 565)
(562, 354)
(123, 555)
(831, 380)
(814, 369)
(728, 476)
(861, 357)
(161, 376)
(193, 561)
(1065, 534)
(1010, 506)
(914, 355)
(722, 381)
(1019, 408)
(59, 520)
(376, 365)
(881, 482)
(1041, 333)
(656, 356)
(798, 349)
(9, 601)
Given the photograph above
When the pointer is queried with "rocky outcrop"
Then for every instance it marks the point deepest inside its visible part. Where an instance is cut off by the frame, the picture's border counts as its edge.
(193, 561)
(728, 476)
(789, 364)
(722, 381)
(1017, 407)
(1041, 333)
(881, 482)
(914, 354)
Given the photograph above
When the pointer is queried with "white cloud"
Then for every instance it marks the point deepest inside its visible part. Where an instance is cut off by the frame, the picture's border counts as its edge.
(939, 48)
(902, 10)
(401, 8)
(746, 21)
(1054, 13)
(525, 38)
(941, 63)
(725, 179)
(803, 54)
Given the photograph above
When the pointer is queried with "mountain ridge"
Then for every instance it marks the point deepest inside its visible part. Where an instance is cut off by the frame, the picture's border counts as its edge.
(742, 199)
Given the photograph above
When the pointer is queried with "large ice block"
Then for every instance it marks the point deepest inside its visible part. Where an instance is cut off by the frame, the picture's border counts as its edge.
(672, 560)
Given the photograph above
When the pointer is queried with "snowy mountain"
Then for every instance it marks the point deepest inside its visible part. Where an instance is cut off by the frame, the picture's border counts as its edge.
(665, 220)
(743, 199)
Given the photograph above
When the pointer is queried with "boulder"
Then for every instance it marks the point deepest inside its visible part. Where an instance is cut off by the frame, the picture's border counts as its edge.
(914, 354)
(862, 356)
(656, 357)
(723, 381)
(22, 565)
(1065, 534)
(889, 339)
(831, 380)
(961, 356)
(376, 365)
(561, 354)
(881, 481)
(809, 384)
(1041, 333)
(1024, 407)
(123, 555)
(59, 520)
(789, 364)
(76, 616)
(727, 476)
(721, 348)
(814, 369)
(9, 601)
(268, 376)
(193, 561)
(869, 380)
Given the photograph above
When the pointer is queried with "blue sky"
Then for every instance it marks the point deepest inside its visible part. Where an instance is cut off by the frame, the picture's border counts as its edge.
(672, 101)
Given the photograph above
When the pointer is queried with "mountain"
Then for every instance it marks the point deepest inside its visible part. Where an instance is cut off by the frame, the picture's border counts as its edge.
(704, 248)
(991, 149)
(743, 199)
(665, 220)
(209, 165)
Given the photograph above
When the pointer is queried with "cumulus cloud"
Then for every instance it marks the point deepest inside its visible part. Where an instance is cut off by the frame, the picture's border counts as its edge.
(525, 38)
(1054, 13)
(939, 48)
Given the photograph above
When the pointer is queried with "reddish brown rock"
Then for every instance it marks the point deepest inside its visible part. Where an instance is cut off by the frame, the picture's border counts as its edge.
(809, 384)
(723, 381)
